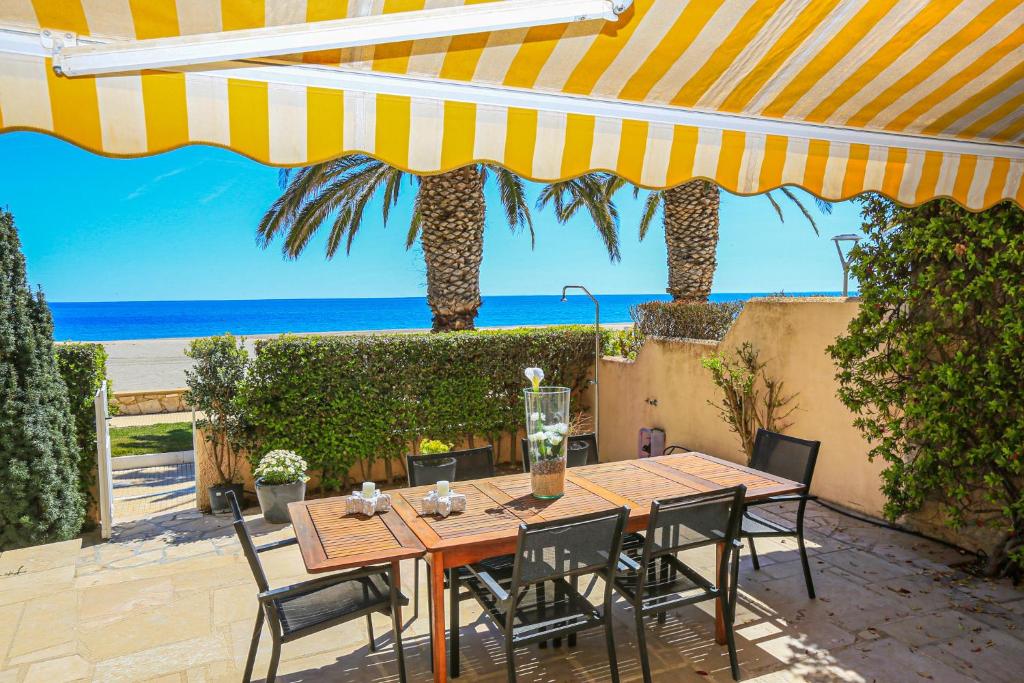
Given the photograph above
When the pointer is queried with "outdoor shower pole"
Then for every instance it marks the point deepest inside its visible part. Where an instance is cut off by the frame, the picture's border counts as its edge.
(597, 347)
(844, 260)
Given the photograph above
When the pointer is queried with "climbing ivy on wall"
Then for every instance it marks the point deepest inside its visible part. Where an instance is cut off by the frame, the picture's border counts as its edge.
(340, 400)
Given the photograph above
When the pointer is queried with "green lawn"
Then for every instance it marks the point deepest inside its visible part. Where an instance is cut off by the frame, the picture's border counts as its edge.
(159, 438)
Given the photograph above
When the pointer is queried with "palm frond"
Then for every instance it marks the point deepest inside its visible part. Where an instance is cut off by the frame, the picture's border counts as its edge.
(340, 189)
(512, 191)
(589, 192)
(824, 205)
(775, 205)
(651, 206)
(803, 209)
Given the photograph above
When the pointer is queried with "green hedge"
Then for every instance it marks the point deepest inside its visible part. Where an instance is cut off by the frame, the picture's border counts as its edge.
(339, 400)
(84, 367)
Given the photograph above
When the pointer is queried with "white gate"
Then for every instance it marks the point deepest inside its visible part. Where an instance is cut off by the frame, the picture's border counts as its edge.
(104, 475)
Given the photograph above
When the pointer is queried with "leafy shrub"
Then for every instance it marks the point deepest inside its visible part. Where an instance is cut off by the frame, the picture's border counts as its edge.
(434, 447)
(281, 467)
(626, 342)
(40, 500)
(83, 368)
(342, 400)
(751, 398)
(933, 364)
(213, 384)
(685, 320)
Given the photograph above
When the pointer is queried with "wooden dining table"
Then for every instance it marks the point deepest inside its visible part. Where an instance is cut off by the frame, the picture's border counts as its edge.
(497, 506)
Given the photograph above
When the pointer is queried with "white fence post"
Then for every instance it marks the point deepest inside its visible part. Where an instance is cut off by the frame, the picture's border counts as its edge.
(104, 476)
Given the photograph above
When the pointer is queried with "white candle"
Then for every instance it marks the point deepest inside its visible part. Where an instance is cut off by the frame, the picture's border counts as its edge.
(368, 489)
(442, 488)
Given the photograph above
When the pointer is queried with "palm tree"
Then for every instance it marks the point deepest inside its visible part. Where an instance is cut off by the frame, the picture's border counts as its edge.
(690, 215)
(448, 218)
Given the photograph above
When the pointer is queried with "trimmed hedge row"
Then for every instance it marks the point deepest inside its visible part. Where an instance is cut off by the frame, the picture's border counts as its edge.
(340, 400)
(84, 367)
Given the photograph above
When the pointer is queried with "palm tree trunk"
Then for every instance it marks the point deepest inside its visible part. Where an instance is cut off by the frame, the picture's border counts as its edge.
(452, 234)
(691, 235)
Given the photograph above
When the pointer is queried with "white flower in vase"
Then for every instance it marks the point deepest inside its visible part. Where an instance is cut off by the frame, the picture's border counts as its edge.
(535, 375)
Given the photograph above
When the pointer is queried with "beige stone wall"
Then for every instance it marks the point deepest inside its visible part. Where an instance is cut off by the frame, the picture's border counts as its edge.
(150, 402)
(666, 387)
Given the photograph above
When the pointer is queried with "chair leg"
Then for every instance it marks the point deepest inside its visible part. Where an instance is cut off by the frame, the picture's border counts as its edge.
(275, 657)
(416, 589)
(453, 626)
(803, 551)
(576, 588)
(609, 637)
(430, 618)
(396, 627)
(510, 658)
(730, 637)
(641, 639)
(753, 554)
(541, 599)
(253, 646)
(663, 616)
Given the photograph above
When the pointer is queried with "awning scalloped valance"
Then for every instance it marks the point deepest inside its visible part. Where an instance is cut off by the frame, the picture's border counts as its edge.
(912, 99)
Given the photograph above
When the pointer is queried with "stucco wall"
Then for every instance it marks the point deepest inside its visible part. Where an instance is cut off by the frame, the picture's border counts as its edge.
(667, 387)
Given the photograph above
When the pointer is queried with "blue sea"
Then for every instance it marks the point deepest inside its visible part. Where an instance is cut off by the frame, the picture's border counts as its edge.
(108, 321)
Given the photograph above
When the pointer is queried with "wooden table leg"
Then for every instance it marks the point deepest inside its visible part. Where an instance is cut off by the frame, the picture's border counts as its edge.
(396, 576)
(440, 657)
(719, 613)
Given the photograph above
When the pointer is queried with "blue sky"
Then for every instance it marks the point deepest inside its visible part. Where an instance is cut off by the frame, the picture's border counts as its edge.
(181, 225)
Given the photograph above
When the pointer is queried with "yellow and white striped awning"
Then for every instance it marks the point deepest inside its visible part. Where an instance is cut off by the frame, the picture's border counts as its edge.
(916, 99)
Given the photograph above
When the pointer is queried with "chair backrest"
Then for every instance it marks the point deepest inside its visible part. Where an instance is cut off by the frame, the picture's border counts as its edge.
(785, 456)
(474, 463)
(248, 547)
(674, 448)
(589, 439)
(430, 469)
(694, 521)
(583, 544)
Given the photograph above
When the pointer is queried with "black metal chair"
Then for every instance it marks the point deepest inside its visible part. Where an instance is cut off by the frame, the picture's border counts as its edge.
(675, 448)
(312, 606)
(590, 439)
(553, 555)
(653, 579)
(794, 459)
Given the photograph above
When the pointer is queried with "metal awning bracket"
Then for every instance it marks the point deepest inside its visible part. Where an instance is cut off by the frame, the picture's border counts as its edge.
(54, 41)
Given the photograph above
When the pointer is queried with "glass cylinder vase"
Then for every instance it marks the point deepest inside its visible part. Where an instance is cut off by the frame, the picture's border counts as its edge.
(547, 429)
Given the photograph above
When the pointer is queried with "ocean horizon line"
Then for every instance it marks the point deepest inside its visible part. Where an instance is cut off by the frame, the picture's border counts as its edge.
(189, 318)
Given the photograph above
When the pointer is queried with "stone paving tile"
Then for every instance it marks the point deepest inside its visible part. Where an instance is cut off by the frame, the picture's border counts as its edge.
(171, 599)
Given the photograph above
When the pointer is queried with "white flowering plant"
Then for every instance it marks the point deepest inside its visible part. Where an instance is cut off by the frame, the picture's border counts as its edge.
(546, 411)
(281, 467)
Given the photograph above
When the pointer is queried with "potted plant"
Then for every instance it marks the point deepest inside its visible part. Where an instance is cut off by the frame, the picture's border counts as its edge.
(579, 449)
(280, 479)
(440, 468)
(547, 430)
(219, 366)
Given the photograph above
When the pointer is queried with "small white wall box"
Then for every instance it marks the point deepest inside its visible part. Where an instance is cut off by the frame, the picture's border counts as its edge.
(651, 442)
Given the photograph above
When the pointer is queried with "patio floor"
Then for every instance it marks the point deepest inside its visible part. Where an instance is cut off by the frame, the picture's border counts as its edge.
(171, 599)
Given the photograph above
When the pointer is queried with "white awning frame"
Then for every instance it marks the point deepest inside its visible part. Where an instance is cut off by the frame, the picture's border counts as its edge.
(269, 41)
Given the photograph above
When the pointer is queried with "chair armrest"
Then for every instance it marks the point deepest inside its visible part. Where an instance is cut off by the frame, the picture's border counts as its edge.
(788, 498)
(277, 544)
(627, 564)
(490, 584)
(737, 543)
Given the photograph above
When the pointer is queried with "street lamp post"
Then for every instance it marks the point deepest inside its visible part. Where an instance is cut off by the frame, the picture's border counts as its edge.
(844, 258)
(597, 346)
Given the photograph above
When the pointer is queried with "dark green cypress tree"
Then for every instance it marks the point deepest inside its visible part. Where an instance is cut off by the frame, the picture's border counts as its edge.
(39, 495)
